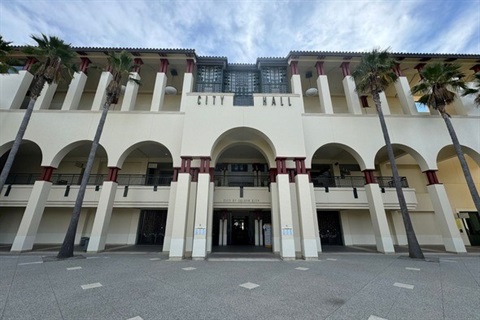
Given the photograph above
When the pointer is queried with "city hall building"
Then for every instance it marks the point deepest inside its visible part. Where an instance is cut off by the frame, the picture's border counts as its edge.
(204, 155)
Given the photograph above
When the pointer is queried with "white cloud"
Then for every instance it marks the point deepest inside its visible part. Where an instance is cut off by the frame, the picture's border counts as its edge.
(245, 30)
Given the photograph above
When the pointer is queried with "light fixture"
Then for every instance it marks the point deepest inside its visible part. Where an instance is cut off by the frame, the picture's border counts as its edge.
(312, 91)
(171, 90)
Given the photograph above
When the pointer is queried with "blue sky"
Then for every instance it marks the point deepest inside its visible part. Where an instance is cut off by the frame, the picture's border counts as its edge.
(245, 30)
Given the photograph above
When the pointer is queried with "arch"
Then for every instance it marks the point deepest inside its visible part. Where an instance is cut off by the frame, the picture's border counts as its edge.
(57, 158)
(27, 160)
(350, 150)
(449, 151)
(244, 136)
(8, 146)
(398, 149)
(163, 151)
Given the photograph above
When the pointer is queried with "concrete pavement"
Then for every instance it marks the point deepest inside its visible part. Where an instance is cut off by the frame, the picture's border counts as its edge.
(148, 286)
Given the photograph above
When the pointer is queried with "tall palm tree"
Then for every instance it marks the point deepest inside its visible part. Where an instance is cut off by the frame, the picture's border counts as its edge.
(475, 90)
(5, 50)
(120, 66)
(372, 76)
(55, 63)
(439, 86)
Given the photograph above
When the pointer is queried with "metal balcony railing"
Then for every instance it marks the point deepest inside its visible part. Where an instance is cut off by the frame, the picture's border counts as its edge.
(231, 179)
(144, 179)
(356, 182)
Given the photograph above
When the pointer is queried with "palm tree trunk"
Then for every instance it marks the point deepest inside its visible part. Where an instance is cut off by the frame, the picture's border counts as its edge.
(463, 162)
(16, 144)
(66, 251)
(414, 249)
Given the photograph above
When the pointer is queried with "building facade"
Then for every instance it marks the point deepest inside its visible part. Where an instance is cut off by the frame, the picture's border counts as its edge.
(281, 154)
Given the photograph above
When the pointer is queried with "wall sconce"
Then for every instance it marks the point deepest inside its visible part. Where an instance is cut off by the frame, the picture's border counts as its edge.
(171, 90)
(312, 91)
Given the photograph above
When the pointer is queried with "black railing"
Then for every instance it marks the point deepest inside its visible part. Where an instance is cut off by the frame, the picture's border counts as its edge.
(348, 181)
(242, 180)
(93, 179)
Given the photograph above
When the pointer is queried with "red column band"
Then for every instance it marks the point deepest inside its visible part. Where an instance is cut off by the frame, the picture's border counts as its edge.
(84, 64)
(186, 163)
(345, 68)
(273, 175)
(46, 174)
(190, 65)
(397, 70)
(294, 67)
(112, 174)
(432, 177)
(205, 164)
(369, 176)
(281, 165)
(137, 62)
(29, 63)
(319, 67)
(300, 166)
(212, 174)
(175, 174)
(163, 65)
(194, 174)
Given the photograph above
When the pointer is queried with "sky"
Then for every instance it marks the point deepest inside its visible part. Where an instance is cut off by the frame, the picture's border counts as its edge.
(244, 30)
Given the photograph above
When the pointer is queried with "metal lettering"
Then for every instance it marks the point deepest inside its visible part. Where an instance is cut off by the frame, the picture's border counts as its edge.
(281, 101)
(214, 100)
(206, 100)
(221, 99)
(199, 100)
(289, 104)
(273, 101)
(264, 101)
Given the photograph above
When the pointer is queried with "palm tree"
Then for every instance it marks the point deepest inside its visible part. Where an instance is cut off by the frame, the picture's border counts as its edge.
(5, 50)
(475, 90)
(372, 76)
(55, 57)
(439, 86)
(120, 65)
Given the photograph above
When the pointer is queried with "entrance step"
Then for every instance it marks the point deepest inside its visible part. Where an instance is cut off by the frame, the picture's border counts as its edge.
(243, 256)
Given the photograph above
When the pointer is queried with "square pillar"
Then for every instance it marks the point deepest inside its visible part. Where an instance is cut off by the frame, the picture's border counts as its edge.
(383, 237)
(326, 105)
(14, 88)
(103, 214)
(201, 214)
(177, 242)
(131, 92)
(287, 242)
(170, 215)
(101, 93)
(307, 215)
(46, 97)
(159, 92)
(402, 88)
(353, 102)
(75, 91)
(32, 216)
(384, 103)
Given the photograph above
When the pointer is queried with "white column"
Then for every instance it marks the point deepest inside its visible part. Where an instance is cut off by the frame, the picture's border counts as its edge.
(177, 244)
(402, 88)
(257, 234)
(384, 103)
(131, 92)
(210, 217)
(445, 219)
(326, 105)
(170, 215)
(287, 250)
(201, 216)
(75, 91)
(190, 223)
(132, 233)
(276, 246)
(32, 216)
(297, 234)
(101, 93)
(306, 217)
(186, 88)
(45, 98)
(159, 92)
(315, 218)
(103, 214)
(383, 237)
(220, 232)
(399, 228)
(296, 84)
(353, 101)
(13, 89)
(347, 233)
(260, 228)
(225, 232)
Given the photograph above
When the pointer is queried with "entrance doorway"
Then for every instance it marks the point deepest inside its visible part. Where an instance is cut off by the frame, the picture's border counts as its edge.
(241, 230)
(329, 228)
(151, 227)
(471, 223)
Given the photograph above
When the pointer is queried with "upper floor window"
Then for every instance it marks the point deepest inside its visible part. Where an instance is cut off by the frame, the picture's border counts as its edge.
(274, 80)
(209, 79)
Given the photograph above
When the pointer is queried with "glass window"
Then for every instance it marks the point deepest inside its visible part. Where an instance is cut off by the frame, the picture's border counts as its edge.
(274, 80)
(209, 78)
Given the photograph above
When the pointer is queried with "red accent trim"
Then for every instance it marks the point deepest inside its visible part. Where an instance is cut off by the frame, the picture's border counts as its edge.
(397, 70)
(29, 63)
(186, 163)
(369, 176)
(84, 64)
(273, 175)
(345, 68)
(190, 65)
(300, 166)
(163, 65)
(194, 174)
(294, 67)
(205, 164)
(291, 175)
(309, 175)
(112, 174)
(419, 68)
(281, 165)
(432, 177)
(109, 69)
(175, 174)
(475, 68)
(137, 62)
(46, 174)
(212, 174)
(319, 67)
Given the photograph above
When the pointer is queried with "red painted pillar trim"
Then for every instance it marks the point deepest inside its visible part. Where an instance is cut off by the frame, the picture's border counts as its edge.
(163, 65)
(300, 166)
(46, 174)
(345, 68)
(29, 63)
(369, 176)
(319, 67)
(175, 174)
(186, 163)
(432, 177)
(281, 165)
(205, 164)
(397, 70)
(291, 175)
(294, 67)
(112, 174)
(475, 68)
(190, 66)
(137, 64)
(194, 174)
(212, 174)
(419, 68)
(85, 62)
(273, 175)
(309, 175)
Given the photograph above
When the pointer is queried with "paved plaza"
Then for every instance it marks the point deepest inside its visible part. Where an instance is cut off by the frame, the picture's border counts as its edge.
(122, 285)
